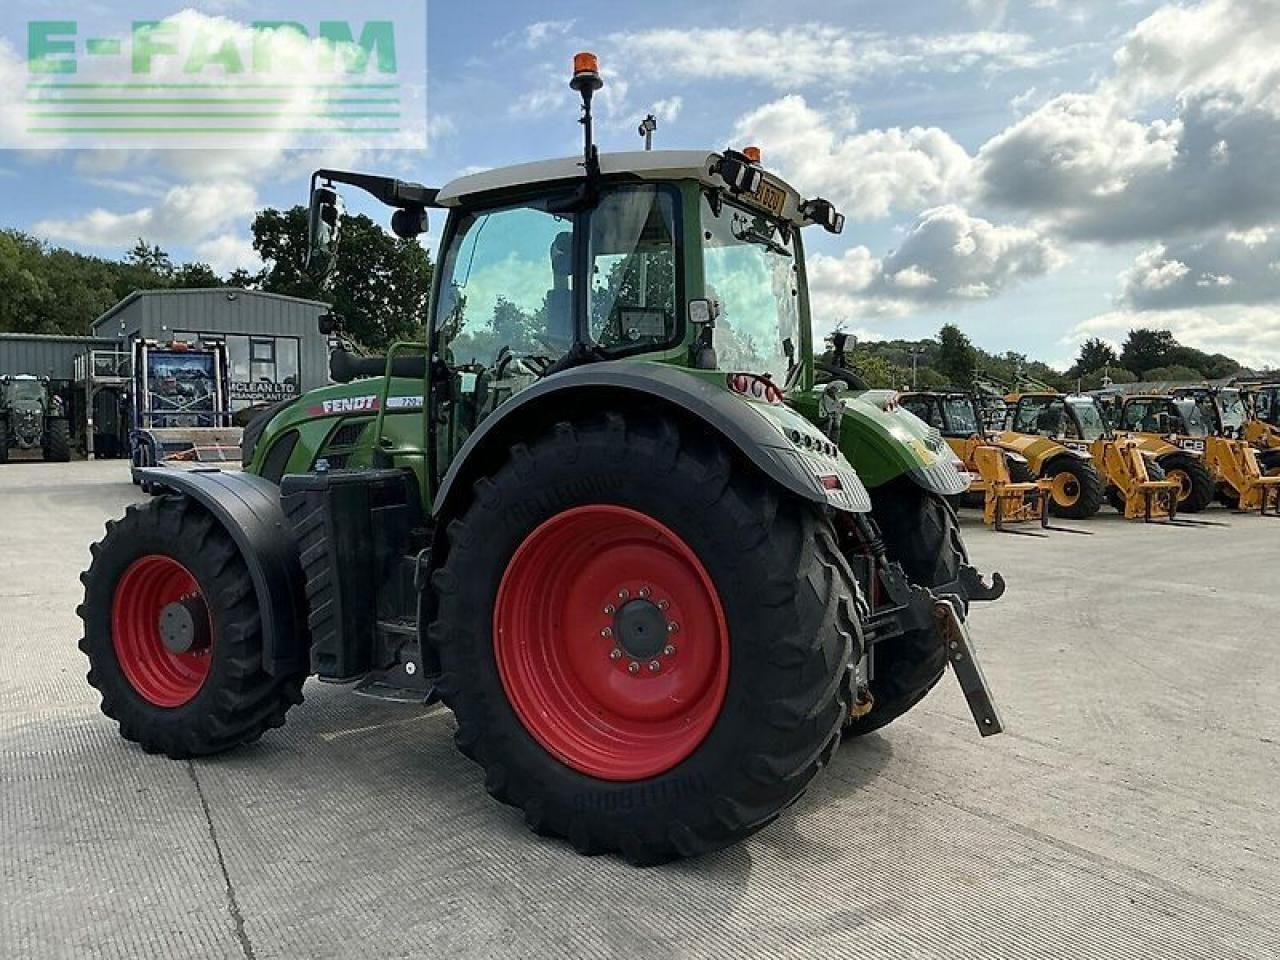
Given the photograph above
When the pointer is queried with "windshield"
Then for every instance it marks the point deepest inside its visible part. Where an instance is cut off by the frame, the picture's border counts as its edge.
(960, 418)
(26, 390)
(1040, 415)
(1194, 422)
(749, 266)
(1089, 417)
(1233, 414)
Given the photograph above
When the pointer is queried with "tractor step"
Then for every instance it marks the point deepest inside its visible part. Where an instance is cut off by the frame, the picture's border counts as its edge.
(960, 654)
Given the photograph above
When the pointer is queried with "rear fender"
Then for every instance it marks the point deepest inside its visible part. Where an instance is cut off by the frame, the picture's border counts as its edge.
(248, 508)
(779, 442)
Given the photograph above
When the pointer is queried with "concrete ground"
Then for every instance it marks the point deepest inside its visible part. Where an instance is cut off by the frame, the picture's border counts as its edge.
(1133, 808)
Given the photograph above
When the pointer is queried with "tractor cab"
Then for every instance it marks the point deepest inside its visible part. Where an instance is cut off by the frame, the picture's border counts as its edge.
(1221, 409)
(1169, 416)
(1069, 418)
(685, 257)
(955, 414)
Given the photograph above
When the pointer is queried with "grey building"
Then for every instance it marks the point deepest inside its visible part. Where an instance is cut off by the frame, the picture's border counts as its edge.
(44, 355)
(274, 348)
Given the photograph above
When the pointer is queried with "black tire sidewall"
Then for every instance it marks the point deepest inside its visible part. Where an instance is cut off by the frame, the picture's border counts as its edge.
(145, 530)
(540, 485)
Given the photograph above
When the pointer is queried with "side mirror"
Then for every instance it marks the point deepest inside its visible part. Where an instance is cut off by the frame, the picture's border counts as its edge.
(329, 324)
(823, 213)
(324, 229)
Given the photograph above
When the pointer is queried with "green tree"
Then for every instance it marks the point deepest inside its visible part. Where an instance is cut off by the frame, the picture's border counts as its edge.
(1145, 349)
(1173, 374)
(1095, 354)
(957, 360)
(380, 284)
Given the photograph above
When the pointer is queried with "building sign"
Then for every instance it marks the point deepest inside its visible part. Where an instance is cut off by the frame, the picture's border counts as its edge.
(262, 391)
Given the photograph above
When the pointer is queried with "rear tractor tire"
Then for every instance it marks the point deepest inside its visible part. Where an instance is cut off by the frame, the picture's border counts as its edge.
(1078, 491)
(920, 531)
(57, 442)
(1196, 487)
(173, 635)
(646, 646)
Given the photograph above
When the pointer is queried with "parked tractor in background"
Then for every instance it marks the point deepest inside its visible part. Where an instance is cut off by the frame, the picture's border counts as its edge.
(32, 416)
(179, 407)
(652, 561)
(1192, 419)
(1262, 421)
(1001, 482)
(1136, 483)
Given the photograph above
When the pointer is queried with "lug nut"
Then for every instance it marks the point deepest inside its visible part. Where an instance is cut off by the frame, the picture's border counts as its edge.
(644, 593)
(663, 604)
(607, 632)
(623, 594)
(654, 666)
(673, 627)
(615, 654)
(669, 651)
(608, 609)
(633, 667)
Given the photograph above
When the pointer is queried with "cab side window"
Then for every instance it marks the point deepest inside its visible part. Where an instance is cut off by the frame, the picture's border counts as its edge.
(925, 408)
(631, 252)
(507, 288)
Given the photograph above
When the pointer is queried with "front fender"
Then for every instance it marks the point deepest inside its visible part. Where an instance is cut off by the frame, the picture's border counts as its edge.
(248, 508)
(885, 441)
(782, 444)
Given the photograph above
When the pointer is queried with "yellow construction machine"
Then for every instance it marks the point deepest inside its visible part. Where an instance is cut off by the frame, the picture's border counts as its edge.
(1001, 482)
(1135, 483)
(1260, 405)
(1193, 418)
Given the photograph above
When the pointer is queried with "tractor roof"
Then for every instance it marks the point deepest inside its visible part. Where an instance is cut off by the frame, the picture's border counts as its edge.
(641, 164)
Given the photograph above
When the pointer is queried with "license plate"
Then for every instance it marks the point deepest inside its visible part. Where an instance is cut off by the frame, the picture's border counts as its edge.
(771, 198)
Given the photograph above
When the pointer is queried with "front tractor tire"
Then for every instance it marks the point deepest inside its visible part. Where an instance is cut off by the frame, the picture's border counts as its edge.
(1196, 487)
(921, 533)
(173, 635)
(1078, 490)
(646, 646)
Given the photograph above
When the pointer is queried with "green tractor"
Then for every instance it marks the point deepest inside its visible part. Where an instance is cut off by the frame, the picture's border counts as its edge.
(32, 415)
(607, 513)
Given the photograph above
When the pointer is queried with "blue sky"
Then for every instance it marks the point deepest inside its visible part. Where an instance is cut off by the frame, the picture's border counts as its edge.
(1035, 171)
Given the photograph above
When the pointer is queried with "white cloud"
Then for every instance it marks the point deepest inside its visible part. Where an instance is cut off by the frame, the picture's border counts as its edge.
(1228, 268)
(184, 215)
(799, 56)
(868, 175)
(1249, 334)
(229, 252)
(947, 257)
(1216, 45)
(545, 31)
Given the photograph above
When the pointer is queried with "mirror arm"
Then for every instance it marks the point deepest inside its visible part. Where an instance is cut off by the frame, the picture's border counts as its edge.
(388, 190)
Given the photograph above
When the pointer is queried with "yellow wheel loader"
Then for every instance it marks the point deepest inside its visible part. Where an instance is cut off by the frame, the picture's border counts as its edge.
(1001, 482)
(1192, 418)
(1136, 485)
(1260, 403)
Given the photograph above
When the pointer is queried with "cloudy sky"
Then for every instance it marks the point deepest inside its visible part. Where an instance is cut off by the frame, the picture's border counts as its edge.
(1037, 171)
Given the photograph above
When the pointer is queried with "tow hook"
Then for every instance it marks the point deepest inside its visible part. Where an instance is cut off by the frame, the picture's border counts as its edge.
(973, 683)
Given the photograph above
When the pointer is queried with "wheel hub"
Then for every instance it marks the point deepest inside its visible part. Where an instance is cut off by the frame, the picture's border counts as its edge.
(184, 625)
(640, 629)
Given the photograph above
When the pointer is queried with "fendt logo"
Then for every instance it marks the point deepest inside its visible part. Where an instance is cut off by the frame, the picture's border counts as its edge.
(161, 76)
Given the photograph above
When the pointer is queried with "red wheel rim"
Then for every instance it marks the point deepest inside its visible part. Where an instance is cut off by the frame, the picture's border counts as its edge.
(569, 663)
(159, 675)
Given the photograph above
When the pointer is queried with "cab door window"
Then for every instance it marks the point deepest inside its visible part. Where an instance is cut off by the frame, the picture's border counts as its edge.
(631, 255)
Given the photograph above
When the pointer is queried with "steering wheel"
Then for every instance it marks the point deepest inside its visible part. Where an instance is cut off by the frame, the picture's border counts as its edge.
(843, 374)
